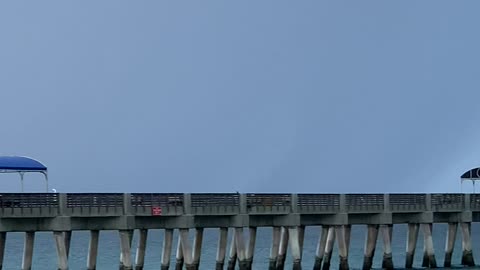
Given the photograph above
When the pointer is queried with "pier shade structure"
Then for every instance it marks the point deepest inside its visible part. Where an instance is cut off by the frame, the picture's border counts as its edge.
(237, 216)
(23, 165)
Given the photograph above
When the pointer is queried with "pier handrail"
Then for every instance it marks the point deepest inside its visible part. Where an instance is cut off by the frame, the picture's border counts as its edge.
(253, 203)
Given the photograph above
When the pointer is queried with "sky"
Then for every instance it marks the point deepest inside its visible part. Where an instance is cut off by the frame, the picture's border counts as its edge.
(248, 96)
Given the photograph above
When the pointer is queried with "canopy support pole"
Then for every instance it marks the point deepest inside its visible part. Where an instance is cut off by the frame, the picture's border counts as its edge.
(46, 181)
(21, 180)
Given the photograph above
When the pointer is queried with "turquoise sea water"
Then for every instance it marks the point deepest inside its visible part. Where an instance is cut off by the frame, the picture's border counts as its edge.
(45, 254)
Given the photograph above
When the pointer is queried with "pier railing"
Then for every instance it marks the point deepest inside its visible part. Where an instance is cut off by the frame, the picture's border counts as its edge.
(227, 204)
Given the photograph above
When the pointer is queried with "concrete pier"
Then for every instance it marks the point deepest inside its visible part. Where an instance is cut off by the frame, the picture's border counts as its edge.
(387, 231)
(167, 249)
(186, 249)
(450, 243)
(282, 250)
(232, 256)
(295, 246)
(179, 261)
(221, 249)
(93, 250)
(329, 248)
(141, 248)
(428, 241)
(276, 231)
(125, 247)
(3, 239)
(467, 254)
(370, 245)
(251, 247)
(320, 251)
(287, 214)
(412, 237)
(28, 251)
(197, 247)
(61, 248)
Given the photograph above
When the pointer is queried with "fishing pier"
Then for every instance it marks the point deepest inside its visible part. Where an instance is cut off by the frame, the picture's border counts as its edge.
(286, 214)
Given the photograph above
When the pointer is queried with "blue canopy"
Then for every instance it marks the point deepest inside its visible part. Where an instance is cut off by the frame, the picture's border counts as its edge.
(22, 165)
(19, 164)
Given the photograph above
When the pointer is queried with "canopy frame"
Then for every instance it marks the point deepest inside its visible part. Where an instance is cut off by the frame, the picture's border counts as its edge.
(22, 169)
(470, 175)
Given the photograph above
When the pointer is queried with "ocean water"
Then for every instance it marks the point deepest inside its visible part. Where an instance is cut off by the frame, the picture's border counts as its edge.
(108, 256)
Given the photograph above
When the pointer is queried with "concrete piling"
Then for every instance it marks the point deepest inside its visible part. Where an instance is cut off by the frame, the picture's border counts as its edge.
(411, 244)
(320, 251)
(3, 239)
(93, 250)
(276, 231)
(370, 245)
(467, 255)
(342, 247)
(141, 248)
(428, 241)
(240, 245)
(425, 261)
(387, 231)
(186, 250)
(197, 247)
(232, 256)
(167, 249)
(295, 247)
(329, 248)
(282, 250)
(450, 243)
(251, 247)
(61, 248)
(222, 248)
(179, 261)
(125, 246)
(68, 238)
(28, 251)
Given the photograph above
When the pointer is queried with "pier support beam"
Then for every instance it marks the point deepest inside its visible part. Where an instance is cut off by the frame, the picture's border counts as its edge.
(232, 256)
(450, 243)
(282, 250)
(197, 247)
(60, 244)
(329, 248)
(3, 238)
(320, 252)
(342, 247)
(222, 248)
(186, 249)
(125, 246)
(93, 250)
(411, 244)
(295, 241)
(142, 246)
(387, 231)
(467, 255)
(167, 249)
(429, 253)
(251, 246)
(179, 255)
(28, 251)
(370, 245)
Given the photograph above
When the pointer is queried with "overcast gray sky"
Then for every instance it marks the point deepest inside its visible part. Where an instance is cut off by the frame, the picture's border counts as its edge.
(254, 96)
